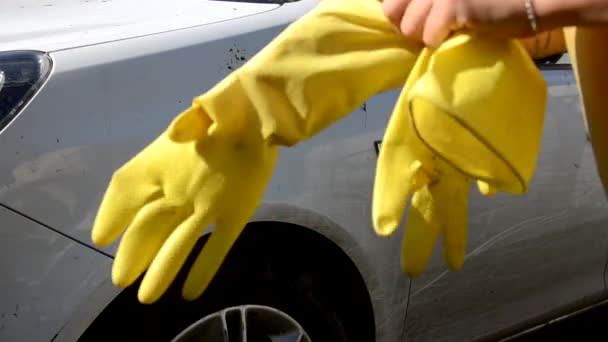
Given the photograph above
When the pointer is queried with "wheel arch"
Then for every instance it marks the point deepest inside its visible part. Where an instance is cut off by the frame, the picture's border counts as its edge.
(105, 294)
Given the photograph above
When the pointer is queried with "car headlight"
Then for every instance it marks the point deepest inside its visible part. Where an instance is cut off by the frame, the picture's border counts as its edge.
(1, 79)
(22, 73)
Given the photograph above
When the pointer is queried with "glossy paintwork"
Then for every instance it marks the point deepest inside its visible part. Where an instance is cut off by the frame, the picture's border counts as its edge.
(527, 255)
(61, 24)
(44, 277)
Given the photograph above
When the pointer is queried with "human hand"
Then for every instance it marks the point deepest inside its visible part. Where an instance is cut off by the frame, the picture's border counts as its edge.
(430, 22)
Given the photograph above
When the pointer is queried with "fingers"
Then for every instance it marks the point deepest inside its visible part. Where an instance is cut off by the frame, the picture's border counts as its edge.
(392, 189)
(486, 189)
(455, 221)
(414, 18)
(426, 21)
(440, 22)
(399, 171)
(213, 254)
(119, 207)
(171, 257)
(142, 241)
(421, 233)
(394, 9)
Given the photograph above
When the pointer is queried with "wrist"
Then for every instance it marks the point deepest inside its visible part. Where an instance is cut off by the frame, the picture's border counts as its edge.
(554, 14)
(549, 14)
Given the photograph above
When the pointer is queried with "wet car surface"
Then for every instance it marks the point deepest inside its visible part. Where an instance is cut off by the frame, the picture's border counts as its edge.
(586, 325)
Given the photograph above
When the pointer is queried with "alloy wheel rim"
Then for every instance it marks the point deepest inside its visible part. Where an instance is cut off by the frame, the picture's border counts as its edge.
(245, 323)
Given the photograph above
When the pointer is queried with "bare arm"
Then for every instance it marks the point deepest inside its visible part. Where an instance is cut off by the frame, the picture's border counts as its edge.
(553, 14)
(431, 21)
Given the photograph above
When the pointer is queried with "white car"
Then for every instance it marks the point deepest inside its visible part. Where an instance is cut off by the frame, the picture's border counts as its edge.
(85, 84)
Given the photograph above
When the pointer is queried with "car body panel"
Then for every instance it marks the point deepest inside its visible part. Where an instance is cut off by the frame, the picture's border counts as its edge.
(106, 101)
(45, 276)
(61, 24)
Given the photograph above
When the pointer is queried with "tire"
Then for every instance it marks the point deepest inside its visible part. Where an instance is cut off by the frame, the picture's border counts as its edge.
(302, 279)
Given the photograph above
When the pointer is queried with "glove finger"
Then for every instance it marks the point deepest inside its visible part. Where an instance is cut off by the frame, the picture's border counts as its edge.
(119, 207)
(399, 170)
(398, 173)
(421, 232)
(171, 257)
(486, 189)
(455, 221)
(189, 125)
(213, 254)
(142, 240)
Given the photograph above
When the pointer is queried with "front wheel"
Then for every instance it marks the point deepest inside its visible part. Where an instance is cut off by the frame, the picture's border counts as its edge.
(305, 280)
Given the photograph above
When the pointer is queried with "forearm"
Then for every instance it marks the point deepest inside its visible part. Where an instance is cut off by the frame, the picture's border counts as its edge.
(588, 63)
(554, 14)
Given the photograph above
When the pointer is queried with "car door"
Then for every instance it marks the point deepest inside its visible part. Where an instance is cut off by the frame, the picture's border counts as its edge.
(529, 257)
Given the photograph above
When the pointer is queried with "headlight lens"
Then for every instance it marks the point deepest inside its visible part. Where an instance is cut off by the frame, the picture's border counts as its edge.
(1, 80)
(22, 73)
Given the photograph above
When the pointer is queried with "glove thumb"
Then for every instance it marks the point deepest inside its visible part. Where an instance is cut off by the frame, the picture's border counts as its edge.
(190, 125)
(401, 162)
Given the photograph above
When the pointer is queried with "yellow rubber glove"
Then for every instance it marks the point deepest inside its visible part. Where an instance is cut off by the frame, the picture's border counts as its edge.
(588, 55)
(472, 109)
(213, 163)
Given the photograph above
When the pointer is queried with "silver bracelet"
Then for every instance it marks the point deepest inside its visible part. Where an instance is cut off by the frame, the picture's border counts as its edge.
(531, 12)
